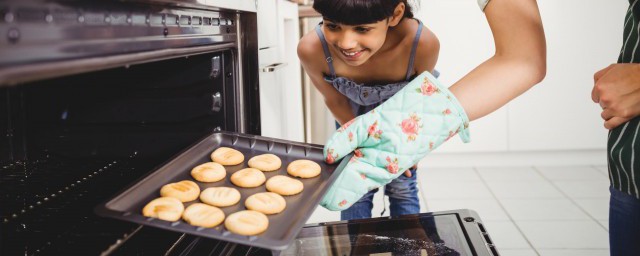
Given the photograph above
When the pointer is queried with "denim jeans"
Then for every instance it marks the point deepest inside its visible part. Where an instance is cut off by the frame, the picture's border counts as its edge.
(624, 224)
(403, 197)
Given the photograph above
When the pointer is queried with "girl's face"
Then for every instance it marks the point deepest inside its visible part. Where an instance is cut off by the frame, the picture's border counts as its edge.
(355, 44)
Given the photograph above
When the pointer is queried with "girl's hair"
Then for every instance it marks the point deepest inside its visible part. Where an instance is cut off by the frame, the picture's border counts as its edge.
(355, 12)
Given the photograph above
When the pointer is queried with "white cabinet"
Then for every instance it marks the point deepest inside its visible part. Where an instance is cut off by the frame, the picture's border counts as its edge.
(280, 77)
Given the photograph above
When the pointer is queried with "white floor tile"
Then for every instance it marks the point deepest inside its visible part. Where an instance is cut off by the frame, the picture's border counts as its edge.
(517, 252)
(565, 234)
(505, 235)
(432, 189)
(533, 189)
(448, 174)
(321, 214)
(509, 174)
(605, 224)
(599, 252)
(597, 208)
(487, 209)
(571, 173)
(584, 189)
(543, 209)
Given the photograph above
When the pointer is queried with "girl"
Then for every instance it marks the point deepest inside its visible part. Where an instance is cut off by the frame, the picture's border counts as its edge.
(370, 48)
(365, 51)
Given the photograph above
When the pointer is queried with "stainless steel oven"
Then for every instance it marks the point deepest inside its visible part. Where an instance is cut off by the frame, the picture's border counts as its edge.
(95, 94)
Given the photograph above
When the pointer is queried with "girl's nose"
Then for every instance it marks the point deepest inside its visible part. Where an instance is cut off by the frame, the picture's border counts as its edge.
(347, 41)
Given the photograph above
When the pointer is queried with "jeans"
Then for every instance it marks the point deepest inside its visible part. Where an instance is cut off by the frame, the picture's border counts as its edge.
(403, 196)
(624, 224)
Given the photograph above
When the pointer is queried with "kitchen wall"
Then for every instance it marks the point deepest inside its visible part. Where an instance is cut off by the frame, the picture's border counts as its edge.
(555, 122)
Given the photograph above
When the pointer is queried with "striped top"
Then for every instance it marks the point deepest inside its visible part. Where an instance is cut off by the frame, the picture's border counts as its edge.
(623, 144)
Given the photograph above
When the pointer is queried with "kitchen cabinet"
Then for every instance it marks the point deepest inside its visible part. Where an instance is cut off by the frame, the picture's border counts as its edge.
(280, 76)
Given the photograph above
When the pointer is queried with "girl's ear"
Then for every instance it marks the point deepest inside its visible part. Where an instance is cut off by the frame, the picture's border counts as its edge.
(398, 13)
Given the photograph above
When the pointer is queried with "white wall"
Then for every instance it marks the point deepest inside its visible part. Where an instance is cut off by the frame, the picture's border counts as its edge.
(582, 37)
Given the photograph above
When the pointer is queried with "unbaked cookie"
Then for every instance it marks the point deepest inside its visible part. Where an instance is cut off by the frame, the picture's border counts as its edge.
(220, 196)
(227, 156)
(265, 162)
(184, 191)
(266, 202)
(209, 172)
(247, 223)
(164, 208)
(248, 178)
(303, 168)
(284, 185)
(203, 215)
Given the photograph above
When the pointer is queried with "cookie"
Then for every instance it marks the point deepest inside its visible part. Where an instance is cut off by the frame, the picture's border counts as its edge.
(303, 169)
(184, 191)
(164, 208)
(265, 162)
(209, 172)
(248, 178)
(220, 196)
(266, 202)
(227, 156)
(203, 215)
(284, 185)
(247, 223)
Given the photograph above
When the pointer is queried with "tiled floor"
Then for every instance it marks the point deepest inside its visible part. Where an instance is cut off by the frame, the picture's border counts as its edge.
(527, 210)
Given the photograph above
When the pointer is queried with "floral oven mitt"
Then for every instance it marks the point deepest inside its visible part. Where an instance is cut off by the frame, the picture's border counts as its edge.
(391, 138)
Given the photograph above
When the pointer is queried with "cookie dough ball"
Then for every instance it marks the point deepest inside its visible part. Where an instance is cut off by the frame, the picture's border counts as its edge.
(164, 208)
(184, 191)
(248, 178)
(220, 196)
(303, 169)
(266, 202)
(203, 215)
(247, 223)
(227, 156)
(265, 162)
(284, 185)
(209, 172)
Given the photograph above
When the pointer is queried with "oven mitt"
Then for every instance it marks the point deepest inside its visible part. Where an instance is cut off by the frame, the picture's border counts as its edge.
(391, 138)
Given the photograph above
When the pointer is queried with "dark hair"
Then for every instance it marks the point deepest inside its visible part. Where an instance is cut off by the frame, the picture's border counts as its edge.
(354, 12)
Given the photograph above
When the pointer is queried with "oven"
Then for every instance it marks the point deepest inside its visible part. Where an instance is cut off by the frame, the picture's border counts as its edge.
(95, 94)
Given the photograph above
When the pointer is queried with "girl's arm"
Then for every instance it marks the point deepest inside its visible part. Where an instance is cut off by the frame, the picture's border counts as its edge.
(337, 103)
(518, 63)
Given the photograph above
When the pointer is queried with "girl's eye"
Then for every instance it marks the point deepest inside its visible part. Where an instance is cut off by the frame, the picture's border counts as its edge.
(331, 26)
(362, 29)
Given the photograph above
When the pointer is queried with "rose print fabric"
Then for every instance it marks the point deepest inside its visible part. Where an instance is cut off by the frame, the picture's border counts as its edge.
(391, 138)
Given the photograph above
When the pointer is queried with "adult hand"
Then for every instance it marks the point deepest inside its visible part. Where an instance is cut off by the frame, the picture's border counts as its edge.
(617, 90)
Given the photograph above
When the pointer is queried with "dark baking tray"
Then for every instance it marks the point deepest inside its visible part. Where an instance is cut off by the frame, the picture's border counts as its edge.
(283, 227)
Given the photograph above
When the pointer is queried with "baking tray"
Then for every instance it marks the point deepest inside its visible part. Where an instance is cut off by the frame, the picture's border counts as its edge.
(283, 227)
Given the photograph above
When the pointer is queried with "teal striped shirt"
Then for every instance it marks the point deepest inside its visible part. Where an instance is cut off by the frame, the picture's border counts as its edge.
(623, 142)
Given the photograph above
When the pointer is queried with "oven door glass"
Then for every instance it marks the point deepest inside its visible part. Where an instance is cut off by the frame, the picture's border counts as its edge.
(420, 235)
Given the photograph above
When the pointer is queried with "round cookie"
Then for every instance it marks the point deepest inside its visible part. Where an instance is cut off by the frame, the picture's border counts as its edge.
(265, 162)
(209, 172)
(203, 215)
(184, 191)
(227, 156)
(266, 202)
(164, 208)
(303, 168)
(248, 178)
(247, 223)
(220, 196)
(284, 185)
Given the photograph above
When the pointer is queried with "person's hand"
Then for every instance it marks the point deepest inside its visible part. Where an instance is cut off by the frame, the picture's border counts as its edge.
(392, 138)
(617, 90)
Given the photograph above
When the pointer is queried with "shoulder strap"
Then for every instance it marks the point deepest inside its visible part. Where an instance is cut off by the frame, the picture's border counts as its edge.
(412, 57)
(325, 48)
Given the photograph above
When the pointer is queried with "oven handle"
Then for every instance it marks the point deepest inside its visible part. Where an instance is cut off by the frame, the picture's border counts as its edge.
(273, 67)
